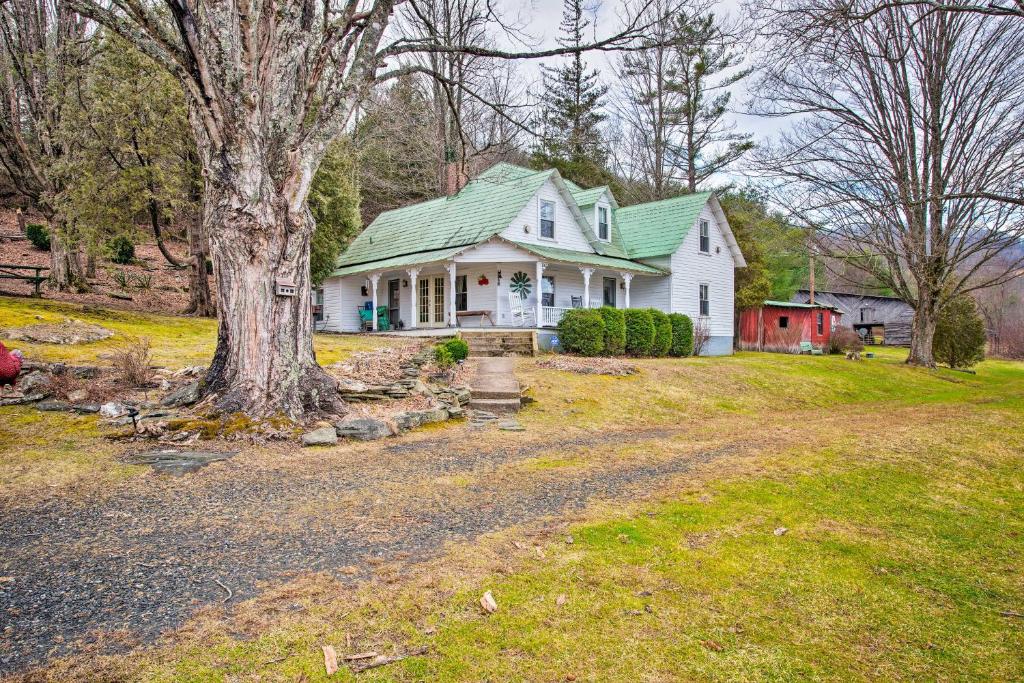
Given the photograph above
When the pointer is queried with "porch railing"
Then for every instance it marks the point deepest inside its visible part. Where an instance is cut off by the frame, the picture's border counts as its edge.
(550, 316)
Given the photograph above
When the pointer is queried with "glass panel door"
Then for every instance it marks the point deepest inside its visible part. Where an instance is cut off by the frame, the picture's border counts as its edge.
(609, 292)
(439, 300)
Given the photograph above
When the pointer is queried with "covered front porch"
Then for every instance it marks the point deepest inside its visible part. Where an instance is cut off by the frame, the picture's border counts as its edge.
(427, 300)
(491, 285)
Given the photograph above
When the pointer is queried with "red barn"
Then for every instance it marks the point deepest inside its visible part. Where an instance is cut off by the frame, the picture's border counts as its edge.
(782, 325)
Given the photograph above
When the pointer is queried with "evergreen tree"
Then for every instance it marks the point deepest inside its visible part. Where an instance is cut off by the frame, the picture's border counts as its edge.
(571, 118)
(334, 202)
(776, 252)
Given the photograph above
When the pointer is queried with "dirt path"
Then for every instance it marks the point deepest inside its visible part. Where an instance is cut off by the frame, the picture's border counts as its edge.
(144, 557)
(141, 558)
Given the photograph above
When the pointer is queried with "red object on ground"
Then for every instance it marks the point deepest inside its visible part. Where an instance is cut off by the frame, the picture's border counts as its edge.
(781, 326)
(10, 366)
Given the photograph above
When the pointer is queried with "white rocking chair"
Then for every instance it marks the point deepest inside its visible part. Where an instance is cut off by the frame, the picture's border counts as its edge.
(521, 313)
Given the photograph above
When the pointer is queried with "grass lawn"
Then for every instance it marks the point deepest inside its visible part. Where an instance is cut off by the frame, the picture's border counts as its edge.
(177, 341)
(857, 521)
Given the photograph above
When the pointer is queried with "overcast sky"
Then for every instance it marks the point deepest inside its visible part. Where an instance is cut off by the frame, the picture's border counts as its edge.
(543, 17)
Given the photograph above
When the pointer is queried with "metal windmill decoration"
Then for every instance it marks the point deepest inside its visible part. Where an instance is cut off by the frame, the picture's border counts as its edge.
(520, 284)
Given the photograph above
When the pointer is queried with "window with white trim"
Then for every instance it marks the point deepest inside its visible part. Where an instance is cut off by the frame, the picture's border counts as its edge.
(547, 290)
(602, 223)
(547, 219)
(705, 302)
(705, 237)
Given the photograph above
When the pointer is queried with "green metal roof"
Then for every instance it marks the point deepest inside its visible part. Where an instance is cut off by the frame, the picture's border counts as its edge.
(483, 208)
(587, 197)
(399, 261)
(571, 256)
(793, 304)
(437, 229)
(658, 228)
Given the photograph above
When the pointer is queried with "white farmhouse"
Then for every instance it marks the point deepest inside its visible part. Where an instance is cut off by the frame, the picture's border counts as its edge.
(517, 248)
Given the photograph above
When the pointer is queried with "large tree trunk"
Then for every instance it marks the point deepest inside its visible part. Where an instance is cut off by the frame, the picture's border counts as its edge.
(922, 333)
(65, 264)
(264, 364)
(200, 300)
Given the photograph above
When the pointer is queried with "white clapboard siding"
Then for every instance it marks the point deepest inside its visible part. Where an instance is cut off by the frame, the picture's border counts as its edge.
(567, 232)
(690, 268)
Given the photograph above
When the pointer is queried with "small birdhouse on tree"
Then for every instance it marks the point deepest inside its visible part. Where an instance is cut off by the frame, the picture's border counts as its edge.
(286, 287)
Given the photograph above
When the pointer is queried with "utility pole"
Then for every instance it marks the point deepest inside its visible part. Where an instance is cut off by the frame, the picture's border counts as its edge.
(811, 278)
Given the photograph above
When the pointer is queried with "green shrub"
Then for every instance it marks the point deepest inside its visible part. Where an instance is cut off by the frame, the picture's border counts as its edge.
(959, 334)
(582, 331)
(662, 333)
(38, 235)
(142, 281)
(682, 335)
(120, 250)
(458, 348)
(639, 331)
(614, 330)
(121, 278)
(443, 357)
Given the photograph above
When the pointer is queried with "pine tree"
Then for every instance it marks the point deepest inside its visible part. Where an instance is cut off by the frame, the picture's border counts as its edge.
(572, 115)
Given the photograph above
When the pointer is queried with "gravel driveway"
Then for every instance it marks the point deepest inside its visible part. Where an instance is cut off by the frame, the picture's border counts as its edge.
(145, 555)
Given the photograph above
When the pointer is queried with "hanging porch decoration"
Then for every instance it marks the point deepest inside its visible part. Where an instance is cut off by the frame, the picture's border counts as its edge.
(520, 284)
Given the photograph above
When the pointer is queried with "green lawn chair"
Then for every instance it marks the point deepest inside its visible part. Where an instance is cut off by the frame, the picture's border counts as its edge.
(805, 347)
(366, 319)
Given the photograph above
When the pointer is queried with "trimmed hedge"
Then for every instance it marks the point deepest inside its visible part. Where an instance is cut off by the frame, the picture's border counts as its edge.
(458, 348)
(582, 331)
(662, 333)
(614, 330)
(639, 331)
(682, 335)
(38, 235)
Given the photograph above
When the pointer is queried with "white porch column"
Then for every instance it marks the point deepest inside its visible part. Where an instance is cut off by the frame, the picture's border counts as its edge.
(587, 272)
(374, 279)
(626, 279)
(450, 267)
(540, 298)
(414, 274)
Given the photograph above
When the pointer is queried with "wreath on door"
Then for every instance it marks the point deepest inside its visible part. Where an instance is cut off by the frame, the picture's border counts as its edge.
(520, 284)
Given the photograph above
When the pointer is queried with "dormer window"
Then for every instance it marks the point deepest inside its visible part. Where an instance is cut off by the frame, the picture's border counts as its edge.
(547, 219)
(705, 238)
(602, 223)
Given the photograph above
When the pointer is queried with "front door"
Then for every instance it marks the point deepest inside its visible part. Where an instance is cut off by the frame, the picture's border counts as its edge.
(609, 291)
(394, 294)
(431, 303)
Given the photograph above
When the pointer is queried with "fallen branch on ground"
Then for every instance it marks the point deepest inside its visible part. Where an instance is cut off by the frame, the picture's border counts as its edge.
(384, 660)
(226, 589)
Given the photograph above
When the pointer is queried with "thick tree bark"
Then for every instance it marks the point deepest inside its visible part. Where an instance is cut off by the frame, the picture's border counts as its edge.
(65, 264)
(264, 364)
(200, 300)
(922, 333)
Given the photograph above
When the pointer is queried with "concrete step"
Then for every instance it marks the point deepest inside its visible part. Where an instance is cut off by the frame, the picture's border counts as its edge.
(496, 405)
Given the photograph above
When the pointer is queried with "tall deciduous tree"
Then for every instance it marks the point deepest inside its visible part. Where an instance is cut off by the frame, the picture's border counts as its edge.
(912, 139)
(40, 43)
(270, 86)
